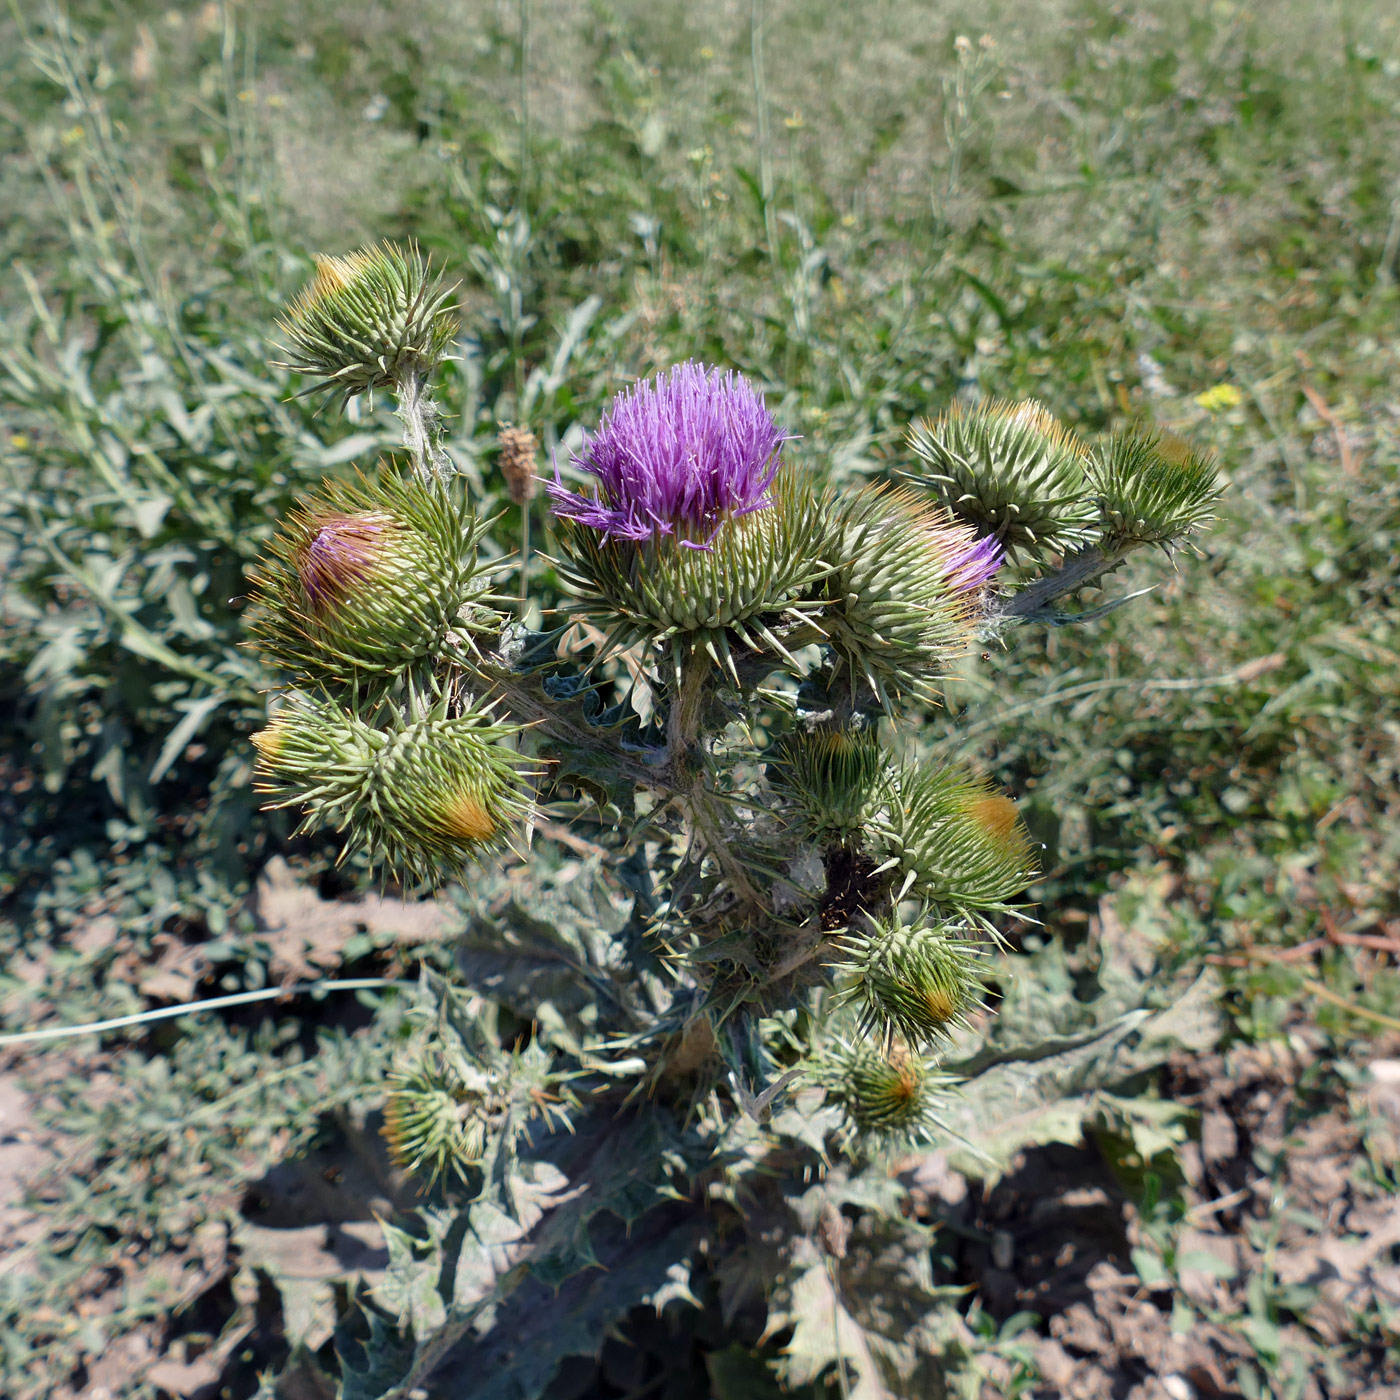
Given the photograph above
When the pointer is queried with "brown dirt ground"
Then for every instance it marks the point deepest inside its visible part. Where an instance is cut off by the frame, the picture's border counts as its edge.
(1283, 1206)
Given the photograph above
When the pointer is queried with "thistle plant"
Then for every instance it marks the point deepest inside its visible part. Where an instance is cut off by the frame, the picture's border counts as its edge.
(792, 917)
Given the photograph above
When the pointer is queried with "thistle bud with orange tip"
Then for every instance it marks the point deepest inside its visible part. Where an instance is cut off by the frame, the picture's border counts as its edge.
(890, 1094)
(423, 793)
(1153, 489)
(369, 578)
(1010, 471)
(369, 319)
(917, 980)
(434, 1124)
(959, 843)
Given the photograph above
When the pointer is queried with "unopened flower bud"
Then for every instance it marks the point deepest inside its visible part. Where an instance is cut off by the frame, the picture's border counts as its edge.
(423, 795)
(433, 1123)
(960, 844)
(890, 1094)
(899, 607)
(918, 981)
(1153, 488)
(368, 320)
(836, 781)
(368, 579)
(1012, 472)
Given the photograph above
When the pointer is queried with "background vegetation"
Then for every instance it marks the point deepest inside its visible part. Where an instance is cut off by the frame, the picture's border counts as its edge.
(1181, 212)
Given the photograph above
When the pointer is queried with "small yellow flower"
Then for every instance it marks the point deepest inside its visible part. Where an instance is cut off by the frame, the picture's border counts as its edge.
(72, 136)
(1219, 398)
(794, 122)
(707, 53)
(20, 442)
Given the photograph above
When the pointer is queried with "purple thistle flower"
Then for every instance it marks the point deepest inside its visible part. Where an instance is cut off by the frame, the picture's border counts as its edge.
(341, 554)
(677, 454)
(975, 566)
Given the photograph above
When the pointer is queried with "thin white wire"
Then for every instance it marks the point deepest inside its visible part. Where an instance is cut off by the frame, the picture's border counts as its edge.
(347, 984)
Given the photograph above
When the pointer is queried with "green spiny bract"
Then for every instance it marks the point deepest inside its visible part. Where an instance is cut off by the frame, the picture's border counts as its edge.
(451, 1100)
(1010, 471)
(433, 1122)
(916, 980)
(1153, 488)
(959, 843)
(368, 320)
(898, 608)
(745, 579)
(370, 578)
(423, 793)
(837, 781)
(890, 1094)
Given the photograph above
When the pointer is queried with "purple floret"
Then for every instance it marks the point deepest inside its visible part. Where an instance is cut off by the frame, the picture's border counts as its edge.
(977, 565)
(340, 555)
(677, 454)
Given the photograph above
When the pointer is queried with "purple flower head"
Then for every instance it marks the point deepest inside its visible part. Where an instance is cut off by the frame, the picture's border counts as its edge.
(340, 553)
(975, 566)
(677, 454)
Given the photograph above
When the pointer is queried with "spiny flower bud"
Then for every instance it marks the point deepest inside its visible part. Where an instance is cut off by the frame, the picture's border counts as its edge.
(960, 843)
(696, 530)
(1153, 488)
(917, 980)
(899, 606)
(369, 578)
(434, 1123)
(423, 794)
(890, 1095)
(519, 447)
(835, 780)
(368, 320)
(1012, 472)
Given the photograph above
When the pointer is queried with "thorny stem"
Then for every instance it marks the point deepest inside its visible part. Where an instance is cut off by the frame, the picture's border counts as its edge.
(683, 723)
(707, 822)
(1032, 604)
(682, 739)
(422, 429)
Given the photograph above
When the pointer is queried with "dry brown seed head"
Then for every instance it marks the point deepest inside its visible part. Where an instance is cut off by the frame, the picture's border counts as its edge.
(519, 447)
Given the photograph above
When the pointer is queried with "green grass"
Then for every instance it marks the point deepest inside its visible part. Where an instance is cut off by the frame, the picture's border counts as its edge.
(1112, 208)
